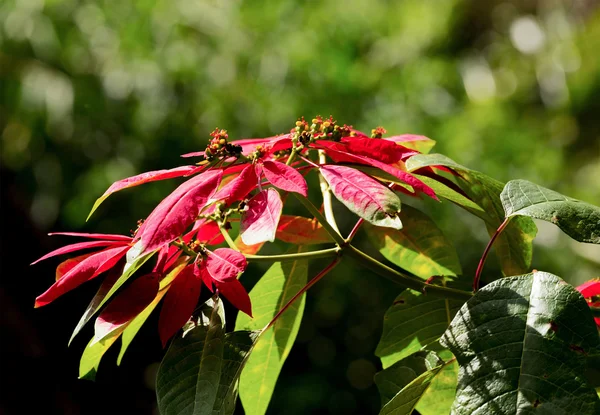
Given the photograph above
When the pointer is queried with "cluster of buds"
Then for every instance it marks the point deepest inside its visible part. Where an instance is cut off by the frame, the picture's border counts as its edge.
(219, 147)
(378, 132)
(196, 246)
(320, 129)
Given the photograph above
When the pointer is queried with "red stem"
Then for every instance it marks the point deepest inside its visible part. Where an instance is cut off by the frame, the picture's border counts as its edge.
(485, 253)
(354, 230)
(307, 160)
(312, 282)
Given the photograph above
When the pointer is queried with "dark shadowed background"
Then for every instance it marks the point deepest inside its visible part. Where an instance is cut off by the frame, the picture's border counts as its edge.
(94, 91)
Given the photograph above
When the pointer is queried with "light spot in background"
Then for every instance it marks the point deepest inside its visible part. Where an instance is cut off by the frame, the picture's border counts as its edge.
(553, 85)
(478, 80)
(360, 373)
(89, 17)
(117, 83)
(44, 209)
(118, 169)
(437, 102)
(564, 130)
(321, 351)
(566, 57)
(30, 5)
(273, 69)
(16, 139)
(19, 25)
(527, 35)
(44, 39)
(222, 70)
(548, 234)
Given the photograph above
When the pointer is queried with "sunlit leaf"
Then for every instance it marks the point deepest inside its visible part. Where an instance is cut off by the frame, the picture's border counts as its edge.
(514, 245)
(419, 247)
(285, 177)
(177, 211)
(522, 344)
(147, 177)
(364, 196)
(301, 231)
(259, 222)
(239, 187)
(579, 220)
(225, 264)
(276, 287)
(419, 143)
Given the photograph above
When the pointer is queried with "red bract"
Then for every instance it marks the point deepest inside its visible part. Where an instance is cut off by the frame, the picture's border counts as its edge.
(224, 264)
(259, 221)
(127, 305)
(416, 142)
(364, 196)
(378, 149)
(69, 264)
(147, 177)
(589, 290)
(175, 213)
(239, 187)
(333, 151)
(87, 269)
(180, 302)
(285, 177)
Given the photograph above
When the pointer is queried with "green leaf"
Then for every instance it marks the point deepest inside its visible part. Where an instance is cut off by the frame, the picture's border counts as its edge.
(403, 384)
(579, 220)
(188, 377)
(521, 344)
(438, 397)
(92, 354)
(200, 372)
(277, 286)
(238, 346)
(514, 245)
(413, 322)
(420, 247)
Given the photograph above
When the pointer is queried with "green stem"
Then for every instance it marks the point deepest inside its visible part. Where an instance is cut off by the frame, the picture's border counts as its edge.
(324, 253)
(227, 237)
(315, 212)
(405, 279)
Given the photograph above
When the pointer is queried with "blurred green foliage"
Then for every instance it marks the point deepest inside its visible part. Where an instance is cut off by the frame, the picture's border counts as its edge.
(94, 91)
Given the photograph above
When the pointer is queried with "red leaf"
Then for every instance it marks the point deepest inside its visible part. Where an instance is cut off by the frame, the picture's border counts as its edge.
(225, 264)
(301, 231)
(259, 221)
(238, 188)
(127, 305)
(235, 292)
(69, 264)
(364, 195)
(175, 213)
(419, 143)
(87, 269)
(168, 254)
(385, 151)
(339, 156)
(285, 177)
(590, 288)
(210, 234)
(179, 303)
(78, 247)
(147, 177)
(104, 236)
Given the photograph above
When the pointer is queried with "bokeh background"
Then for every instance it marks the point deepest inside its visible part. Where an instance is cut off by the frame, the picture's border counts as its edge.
(94, 91)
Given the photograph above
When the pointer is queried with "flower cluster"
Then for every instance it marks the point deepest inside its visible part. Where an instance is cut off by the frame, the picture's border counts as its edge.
(240, 181)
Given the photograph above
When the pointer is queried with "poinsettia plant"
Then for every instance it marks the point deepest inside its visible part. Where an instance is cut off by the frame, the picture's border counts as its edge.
(520, 343)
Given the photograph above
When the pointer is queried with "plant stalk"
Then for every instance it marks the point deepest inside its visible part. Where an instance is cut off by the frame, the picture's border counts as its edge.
(324, 253)
(335, 235)
(486, 252)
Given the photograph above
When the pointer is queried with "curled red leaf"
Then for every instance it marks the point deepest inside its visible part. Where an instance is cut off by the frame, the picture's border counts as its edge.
(259, 221)
(237, 295)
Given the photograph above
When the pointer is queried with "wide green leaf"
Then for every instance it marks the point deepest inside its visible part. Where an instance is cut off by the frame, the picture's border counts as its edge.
(579, 220)
(92, 354)
(419, 247)
(514, 246)
(413, 322)
(438, 397)
(277, 286)
(188, 377)
(403, 384)
(522, 345)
